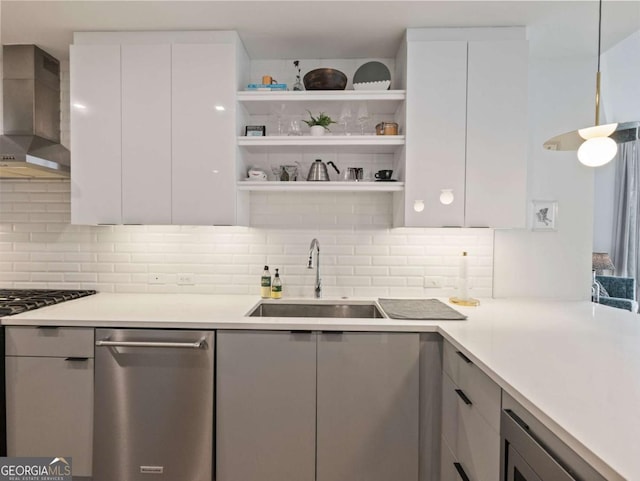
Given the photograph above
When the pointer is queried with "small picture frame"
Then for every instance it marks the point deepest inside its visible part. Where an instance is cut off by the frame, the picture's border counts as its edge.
(544, 215)
(255, 131)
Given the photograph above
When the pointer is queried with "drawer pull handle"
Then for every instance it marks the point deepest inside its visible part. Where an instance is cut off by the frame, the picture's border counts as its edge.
(464, 358)
(333, 332)
(464, 397)
(48, 327)
(76, 359)
(300, 331)
(461, 472)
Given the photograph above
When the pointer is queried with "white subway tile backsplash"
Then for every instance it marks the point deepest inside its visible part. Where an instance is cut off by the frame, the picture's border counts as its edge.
(389, 260)
(361, 255)
(407, 271)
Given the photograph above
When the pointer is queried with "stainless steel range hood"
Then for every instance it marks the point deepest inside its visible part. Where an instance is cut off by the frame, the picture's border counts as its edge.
(30, 146)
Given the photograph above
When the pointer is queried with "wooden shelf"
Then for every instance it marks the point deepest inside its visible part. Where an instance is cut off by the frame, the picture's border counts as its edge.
(266, 103)
(306, 143)
(320, 186)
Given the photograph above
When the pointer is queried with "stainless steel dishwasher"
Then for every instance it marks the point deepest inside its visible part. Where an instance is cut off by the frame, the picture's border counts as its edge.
(153, 408)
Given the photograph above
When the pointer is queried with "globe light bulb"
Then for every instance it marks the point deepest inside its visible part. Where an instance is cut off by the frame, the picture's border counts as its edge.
(597, 151)
(418, 205)
(446, 196)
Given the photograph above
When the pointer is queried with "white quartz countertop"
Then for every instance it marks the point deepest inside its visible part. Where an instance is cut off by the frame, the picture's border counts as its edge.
(574, 365)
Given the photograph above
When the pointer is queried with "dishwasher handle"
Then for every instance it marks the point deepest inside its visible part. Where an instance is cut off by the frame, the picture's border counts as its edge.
(183, 345)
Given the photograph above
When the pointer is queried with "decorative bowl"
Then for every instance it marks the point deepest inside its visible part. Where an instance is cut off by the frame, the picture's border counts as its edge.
(325, 79)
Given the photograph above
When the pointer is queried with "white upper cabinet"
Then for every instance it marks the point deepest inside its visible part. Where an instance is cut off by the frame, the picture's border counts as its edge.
(466, 127)
(204, 134)
(497, 134)
(146, 134)
(154, 141)
(96, 191)
(436, 118)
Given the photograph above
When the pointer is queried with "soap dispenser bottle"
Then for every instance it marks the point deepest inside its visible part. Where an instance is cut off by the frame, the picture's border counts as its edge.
(276, 287)
(265, 283)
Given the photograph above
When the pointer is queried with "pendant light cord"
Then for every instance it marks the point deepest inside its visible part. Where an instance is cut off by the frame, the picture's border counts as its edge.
(598, 72)
(599, 32)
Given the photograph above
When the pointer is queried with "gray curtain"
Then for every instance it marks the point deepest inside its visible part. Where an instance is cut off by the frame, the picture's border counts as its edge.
(625, 251)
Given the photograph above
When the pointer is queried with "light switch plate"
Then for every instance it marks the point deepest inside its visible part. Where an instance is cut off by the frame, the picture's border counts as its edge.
(185, 280)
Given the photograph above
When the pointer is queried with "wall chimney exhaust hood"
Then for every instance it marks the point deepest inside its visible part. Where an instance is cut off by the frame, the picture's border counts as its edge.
(30, 146)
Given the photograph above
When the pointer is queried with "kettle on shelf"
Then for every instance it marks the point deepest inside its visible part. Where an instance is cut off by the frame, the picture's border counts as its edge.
(318, 171)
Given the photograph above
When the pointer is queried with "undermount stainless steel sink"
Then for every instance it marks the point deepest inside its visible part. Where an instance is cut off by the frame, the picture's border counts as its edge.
(338, 310)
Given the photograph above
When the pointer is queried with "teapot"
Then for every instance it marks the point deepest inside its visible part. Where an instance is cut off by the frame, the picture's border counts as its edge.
(318, 171)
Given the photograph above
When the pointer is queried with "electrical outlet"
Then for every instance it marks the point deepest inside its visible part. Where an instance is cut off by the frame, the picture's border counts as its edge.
(185, 280)
(433, 282)
(156, 279)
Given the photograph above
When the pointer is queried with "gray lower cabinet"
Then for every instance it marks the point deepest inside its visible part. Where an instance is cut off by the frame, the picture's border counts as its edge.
(266, 406)
(368, 420)
(49, 389)
(317, 406)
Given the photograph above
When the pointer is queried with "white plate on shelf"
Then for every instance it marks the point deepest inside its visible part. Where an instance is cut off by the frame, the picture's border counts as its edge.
(380, 85)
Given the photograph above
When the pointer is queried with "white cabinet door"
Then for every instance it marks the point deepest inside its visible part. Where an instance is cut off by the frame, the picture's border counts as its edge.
(96, 163)
(436, 120)
(266, 406)
(50, 409)
(497, 134)
(203, 134)
(146, 134)
(367, 411)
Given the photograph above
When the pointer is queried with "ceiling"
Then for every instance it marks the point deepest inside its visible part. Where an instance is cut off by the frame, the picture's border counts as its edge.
(322, 29)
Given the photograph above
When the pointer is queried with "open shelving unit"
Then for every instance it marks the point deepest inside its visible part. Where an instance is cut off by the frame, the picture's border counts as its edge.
(304, 186)
(369, 151)
(264, 103)
(381, 144)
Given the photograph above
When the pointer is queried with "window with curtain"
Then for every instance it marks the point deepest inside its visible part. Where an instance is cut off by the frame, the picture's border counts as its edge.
(625, 250)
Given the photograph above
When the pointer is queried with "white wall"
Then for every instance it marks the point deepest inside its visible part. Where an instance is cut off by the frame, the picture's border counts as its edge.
(620, 68)
(620, 103)
(553, 264)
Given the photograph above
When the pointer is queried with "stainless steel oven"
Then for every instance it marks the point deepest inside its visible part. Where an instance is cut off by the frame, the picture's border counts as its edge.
(531, 452)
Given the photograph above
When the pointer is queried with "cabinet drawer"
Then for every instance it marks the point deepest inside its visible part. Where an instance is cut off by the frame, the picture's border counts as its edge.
(466, 434)
(49, 341)
(476, 385)
(478, 445)
(50, 409)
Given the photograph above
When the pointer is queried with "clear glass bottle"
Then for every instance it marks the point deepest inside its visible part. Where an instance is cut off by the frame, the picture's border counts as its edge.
(265, 283)
(276, 287)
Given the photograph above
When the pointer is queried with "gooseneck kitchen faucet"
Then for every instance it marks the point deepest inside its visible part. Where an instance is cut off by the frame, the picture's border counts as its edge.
(315, 245)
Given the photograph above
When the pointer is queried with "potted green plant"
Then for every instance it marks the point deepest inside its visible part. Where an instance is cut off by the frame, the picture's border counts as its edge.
(319, 124)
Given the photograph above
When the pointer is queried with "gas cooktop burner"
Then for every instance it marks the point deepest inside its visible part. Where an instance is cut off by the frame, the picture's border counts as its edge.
(14, 301)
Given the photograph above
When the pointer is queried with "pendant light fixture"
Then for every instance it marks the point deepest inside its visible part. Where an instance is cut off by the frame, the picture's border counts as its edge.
(596, 145)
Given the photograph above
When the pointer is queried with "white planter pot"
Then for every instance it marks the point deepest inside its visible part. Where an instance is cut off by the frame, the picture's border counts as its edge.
(317, 130)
